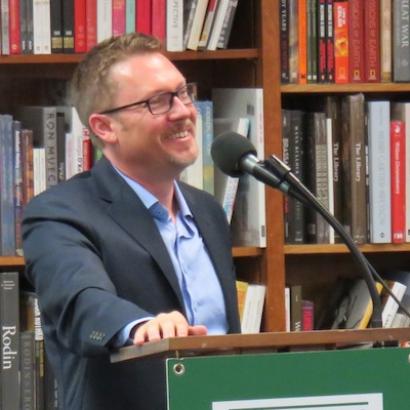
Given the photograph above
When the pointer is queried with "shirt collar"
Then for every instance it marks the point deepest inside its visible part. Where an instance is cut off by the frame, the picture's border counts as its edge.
(151, 202)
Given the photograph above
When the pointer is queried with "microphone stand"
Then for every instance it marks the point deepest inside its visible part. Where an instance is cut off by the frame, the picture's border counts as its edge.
(301, 193)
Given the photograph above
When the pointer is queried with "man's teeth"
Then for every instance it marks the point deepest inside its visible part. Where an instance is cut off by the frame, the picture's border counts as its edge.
(181, 134)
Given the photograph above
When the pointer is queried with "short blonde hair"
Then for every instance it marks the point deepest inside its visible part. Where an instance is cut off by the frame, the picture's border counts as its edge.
(91, 89)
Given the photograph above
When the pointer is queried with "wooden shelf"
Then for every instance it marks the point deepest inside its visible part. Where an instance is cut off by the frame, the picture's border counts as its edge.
(12, 261)
(244, 252)
(345, 88)
(247, 53)
(340, 248)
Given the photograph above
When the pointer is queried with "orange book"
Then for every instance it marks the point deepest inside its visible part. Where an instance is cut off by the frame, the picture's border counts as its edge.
(341, 11)
(302, 43)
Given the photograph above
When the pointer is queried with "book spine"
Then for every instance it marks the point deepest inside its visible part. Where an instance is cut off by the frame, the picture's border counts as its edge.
(91, 24)
(296, 308)
(30, 27)
(18, 186)
(293, 42)
(118, 17)
(10, 352)
(302, 41)
(330, 55)
(341, 13)
(27, 164)
(379, 171)
(312, 42)
(27, 366)
(5, 33)
(104, 20)
(218, 23)
(143, 19)
(15, 33)
(356, 41)
(307, 315)
(397, 152)
(80, 33)
(50, 145)
(226, 26)
(68, 26)
(372, 41)
(159, 19)
(401, 40)
(41, 27)
(56, 20)
(209, 19)
(386, 40)
(175, 38)
(130, 15)
(322, 58)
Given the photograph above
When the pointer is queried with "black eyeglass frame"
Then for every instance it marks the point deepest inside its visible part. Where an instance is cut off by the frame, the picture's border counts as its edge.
(172, 95)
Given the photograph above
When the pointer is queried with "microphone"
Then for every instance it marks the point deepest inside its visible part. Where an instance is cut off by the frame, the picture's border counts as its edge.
(235, 155)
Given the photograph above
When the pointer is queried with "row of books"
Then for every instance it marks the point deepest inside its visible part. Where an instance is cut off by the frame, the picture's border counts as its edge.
(329, 151)
(27, 381)
(344, 41)
(75, 26)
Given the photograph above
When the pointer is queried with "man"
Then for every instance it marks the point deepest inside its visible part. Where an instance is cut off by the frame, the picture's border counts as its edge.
(125, 253)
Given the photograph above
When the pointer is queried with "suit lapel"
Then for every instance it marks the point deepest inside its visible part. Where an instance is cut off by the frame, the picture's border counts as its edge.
(130, 214)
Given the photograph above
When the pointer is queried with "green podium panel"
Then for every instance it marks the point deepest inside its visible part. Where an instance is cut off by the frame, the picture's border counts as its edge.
(357, 379)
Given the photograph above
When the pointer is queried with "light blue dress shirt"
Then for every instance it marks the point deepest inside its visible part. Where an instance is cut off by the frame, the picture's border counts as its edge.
(201, 291)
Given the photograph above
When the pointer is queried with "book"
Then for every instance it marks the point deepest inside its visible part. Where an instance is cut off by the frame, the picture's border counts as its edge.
(302, 41)
(130, 7)
(356, 308)
(354, 167)
(14, 27)
(56, 20)
(7, 210)
(208, 23)
(41, 27)
(144, 16)
(104, 20)
(118, 17)
(175, 28)
(10, 329)
(308, 315)
(249, 216)
(378, 137)
(330, 54)
(5, 33)
(80, 30)
(322, 49)
(341, 40)
(287, 309)
(194, 14)
(241, 289)
(397, 174)
(372, 41)
(401, 41)
(293, 41)
(216, 30)
(68, 26)
(403, 277)
(253, 308)
(227, 24)
(296, 308)
(312, 41)
(91, 24)
(389, 305)
(356, 41)
(27, 370)
(18, 187)
(159, 19)
(225, 185)
(386, 40)
(43, 121)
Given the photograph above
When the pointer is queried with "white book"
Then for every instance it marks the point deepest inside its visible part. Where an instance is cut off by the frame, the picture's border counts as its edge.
(401, 320)
(104, 19)
(193, 175)
(39, 170)
(197, 23)
(378, 119)
(287, 309)
(226, 186)
(390, 307)
(5, 17)
(175, 25)
(209, 20)
(253, 308)
(249, 219)
(41, 27)
(216, 30)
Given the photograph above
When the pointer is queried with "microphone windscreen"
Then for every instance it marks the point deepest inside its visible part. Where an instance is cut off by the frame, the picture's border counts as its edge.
(227, 151)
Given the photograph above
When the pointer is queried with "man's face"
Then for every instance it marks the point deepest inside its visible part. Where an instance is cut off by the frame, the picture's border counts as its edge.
(148, 145)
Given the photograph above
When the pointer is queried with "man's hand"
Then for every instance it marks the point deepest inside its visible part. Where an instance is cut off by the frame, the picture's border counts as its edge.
(164, 326)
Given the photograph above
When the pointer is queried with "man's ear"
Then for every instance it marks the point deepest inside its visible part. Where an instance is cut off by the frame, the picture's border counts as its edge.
(102, 126)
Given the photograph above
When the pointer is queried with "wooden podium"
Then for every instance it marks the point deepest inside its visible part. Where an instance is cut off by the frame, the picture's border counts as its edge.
(321, 370)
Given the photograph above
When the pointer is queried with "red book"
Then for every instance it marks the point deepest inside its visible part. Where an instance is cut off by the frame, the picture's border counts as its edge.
(118, 17)
(397, 163)
(322, 75)
(14, 27)
(341, 19)
(302, 42)
(80, 38)
(330, 38)
(307, 315)
(159, 19)
(91, 19)
(372, 40)
(356, 41)
(143, 19)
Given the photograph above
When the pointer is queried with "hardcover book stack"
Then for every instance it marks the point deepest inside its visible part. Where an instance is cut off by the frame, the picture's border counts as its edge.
(353, 154)
(75, 26)
(344, 41)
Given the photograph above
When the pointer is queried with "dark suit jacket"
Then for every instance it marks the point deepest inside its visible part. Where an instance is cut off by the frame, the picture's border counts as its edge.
(97, 261)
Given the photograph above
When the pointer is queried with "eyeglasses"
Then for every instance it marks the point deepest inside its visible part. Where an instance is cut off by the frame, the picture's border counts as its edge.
(162, 103)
